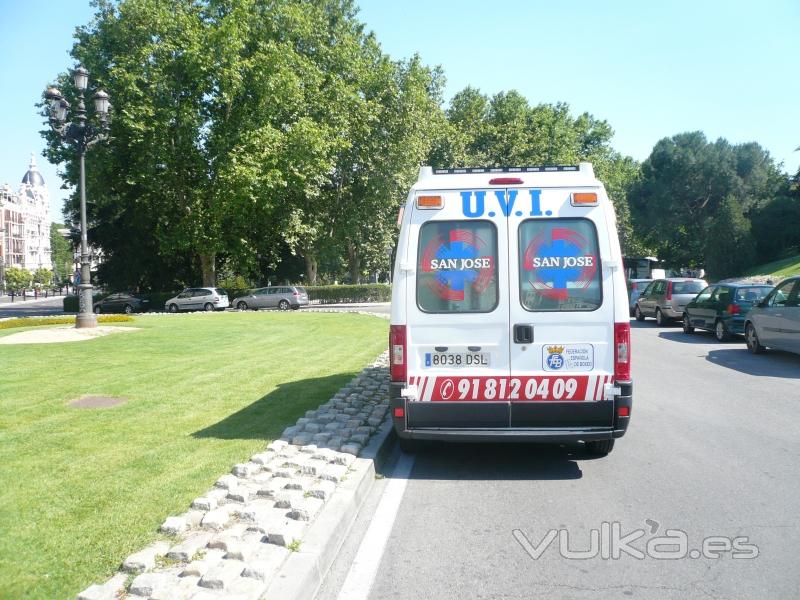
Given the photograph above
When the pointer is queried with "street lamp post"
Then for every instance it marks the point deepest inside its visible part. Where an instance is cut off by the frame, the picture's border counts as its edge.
(82, 134)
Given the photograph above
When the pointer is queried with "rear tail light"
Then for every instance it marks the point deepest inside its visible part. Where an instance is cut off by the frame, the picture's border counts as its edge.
(622, 353)
(669, 290)
(397, 352)
(624, 411)
(734, 309)
(399, 412)
(295, 293)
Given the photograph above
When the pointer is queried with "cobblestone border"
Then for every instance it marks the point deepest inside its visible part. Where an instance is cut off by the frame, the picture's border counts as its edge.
(237, 537)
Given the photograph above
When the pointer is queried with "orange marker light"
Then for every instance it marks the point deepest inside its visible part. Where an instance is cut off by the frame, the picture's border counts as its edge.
(430, 202)
(584, 199)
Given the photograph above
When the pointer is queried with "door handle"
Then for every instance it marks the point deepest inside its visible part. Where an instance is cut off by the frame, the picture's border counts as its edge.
(523, 334)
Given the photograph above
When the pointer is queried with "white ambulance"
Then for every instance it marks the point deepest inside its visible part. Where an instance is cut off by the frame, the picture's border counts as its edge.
(509, 310)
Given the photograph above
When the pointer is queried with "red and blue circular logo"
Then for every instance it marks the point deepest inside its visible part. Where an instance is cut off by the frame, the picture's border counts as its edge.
(459, 260)
(558, 260)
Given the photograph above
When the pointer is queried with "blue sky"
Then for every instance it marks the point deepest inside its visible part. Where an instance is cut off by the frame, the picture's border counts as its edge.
(651, 69)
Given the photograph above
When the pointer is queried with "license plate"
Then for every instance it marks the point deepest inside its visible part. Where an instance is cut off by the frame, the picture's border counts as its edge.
(457, 359)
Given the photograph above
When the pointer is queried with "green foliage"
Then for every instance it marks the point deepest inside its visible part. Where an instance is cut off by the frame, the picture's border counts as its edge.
(39, 321)
(242, 127)
(332, 294)
(17, 279)
(61, 255)
(685, 181)
(42, 277)
(730, 247)
(506, 130)
(775, 227)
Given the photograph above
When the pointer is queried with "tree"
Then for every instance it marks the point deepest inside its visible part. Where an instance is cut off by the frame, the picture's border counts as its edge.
(17, 279)
(730, 248)
(230, 114)
(42, 277)
(61, 254)
(683, 184)
(506, 130)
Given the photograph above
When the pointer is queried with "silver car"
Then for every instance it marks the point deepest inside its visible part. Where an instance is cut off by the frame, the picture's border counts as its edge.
(666, 299)
(205, 298)
(775, 321)
(280, 297)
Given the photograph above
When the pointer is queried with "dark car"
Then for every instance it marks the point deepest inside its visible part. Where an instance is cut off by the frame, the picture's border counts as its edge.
(122, 302)
(722, 308)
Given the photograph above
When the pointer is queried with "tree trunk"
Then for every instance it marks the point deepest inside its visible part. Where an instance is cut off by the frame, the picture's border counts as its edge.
(311, 269)
(354, 260)
(209, 268)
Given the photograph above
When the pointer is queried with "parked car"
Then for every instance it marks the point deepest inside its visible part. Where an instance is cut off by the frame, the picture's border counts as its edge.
(280, 297)
(205, 298)
(775, 321)
(123, 302)
(635, 288)
(666, 299)
(721, 308)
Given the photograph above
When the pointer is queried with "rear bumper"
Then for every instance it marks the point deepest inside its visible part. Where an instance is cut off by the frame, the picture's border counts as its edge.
(543, 422)
(673, 312)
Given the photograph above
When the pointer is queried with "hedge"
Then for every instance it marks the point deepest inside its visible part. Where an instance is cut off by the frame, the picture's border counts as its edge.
(36, 321)
(332, 294)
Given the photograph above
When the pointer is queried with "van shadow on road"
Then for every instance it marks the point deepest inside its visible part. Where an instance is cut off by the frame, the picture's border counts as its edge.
(267, 417)
(698, 337)
(497, 462)
(773, 363)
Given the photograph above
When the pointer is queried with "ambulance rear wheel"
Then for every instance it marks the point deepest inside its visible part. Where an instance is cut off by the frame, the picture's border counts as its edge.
(600, 447)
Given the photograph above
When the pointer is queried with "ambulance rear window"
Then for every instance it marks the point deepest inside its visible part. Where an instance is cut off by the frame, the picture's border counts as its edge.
(559, 265)
(457, 267)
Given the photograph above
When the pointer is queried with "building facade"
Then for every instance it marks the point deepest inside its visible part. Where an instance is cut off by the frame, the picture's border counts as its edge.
(25, 223)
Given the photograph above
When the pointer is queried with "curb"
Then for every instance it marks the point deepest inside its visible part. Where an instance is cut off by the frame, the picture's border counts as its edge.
(301, 576)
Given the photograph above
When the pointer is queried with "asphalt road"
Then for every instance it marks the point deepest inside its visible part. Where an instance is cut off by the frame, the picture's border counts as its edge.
(713, 450)
(31, 308)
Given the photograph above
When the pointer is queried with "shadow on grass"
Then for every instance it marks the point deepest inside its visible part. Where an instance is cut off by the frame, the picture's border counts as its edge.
(267, 417)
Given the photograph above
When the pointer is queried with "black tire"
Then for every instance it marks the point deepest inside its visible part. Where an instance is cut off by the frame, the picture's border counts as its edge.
(97, 310)
(751, 338)
(283, 305)
(687, 327)
(128, 309)
(242, 305)
(600, 448)
(173, 308)
(660, 320)
(637, 312)
(721, 332)
(208, 307)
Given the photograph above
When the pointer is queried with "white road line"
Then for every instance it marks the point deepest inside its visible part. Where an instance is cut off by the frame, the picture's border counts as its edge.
(362, 572)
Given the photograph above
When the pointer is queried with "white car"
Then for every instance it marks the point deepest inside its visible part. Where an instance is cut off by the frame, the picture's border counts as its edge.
(205, 298)
(509, 310)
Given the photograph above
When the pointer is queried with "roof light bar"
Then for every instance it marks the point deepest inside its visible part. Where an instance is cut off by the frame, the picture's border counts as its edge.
(531, 169)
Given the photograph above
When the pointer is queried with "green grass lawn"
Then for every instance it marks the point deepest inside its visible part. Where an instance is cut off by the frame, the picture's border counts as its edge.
(80, 489)
(780, 268)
